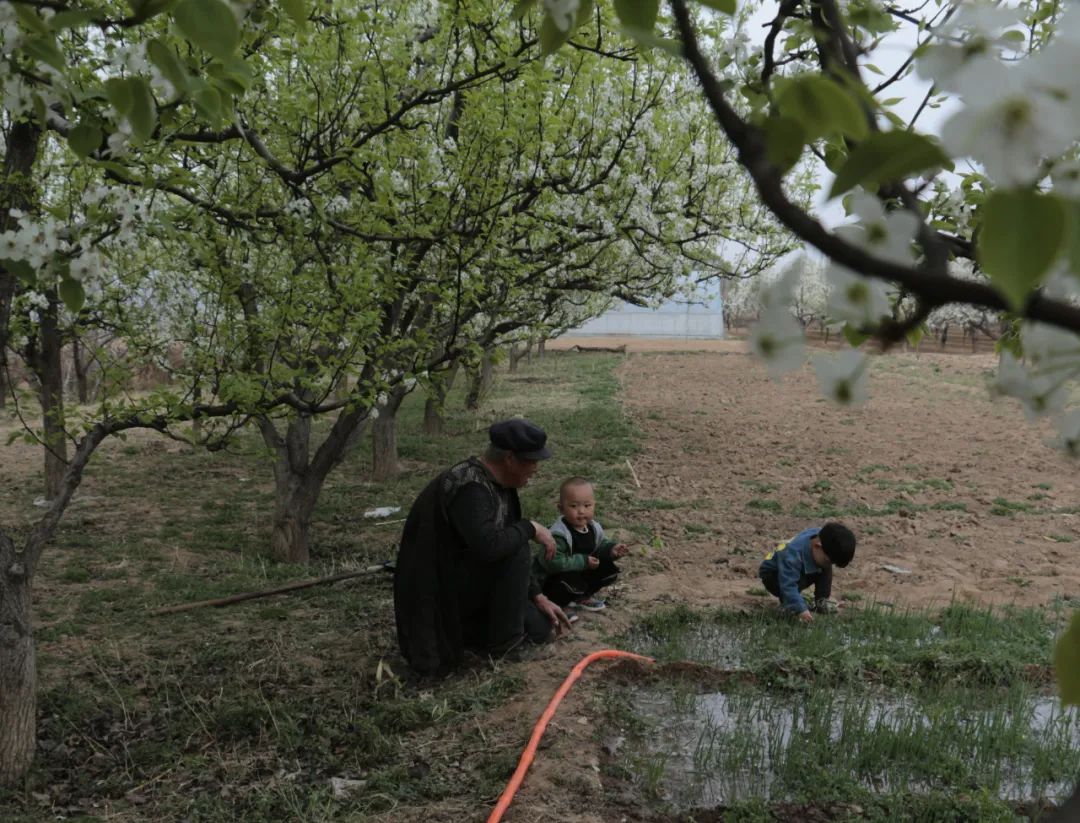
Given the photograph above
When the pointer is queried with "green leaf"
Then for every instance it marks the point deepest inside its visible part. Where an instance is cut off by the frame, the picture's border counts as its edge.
(1020, 237)
(890, 155)
(637, 14)
(650, 40)
(44, 50)
(854, 337)
(145, 9)
(551, 36)
(521, 8)
(821, 105)
(233, 75)
(209, 24)
(21, 269)
(297, 10)
(1067, 662)
(170, 66)
(1073, 249)
(70, 20)
(915, 335)
(143, 114)
(784, 142)
(118, 91)
(72, 293)
(84, 139)
(726, 6)
(30, 19)
(208, 104)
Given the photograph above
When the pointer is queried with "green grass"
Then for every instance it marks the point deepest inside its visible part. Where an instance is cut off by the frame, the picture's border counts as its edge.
(915, 715)
(874, 643)
(765, 505)
(246, 713)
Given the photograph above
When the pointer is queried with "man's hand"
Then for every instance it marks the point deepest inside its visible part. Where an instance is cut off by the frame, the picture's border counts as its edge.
(592, 562)
(544, 538)
(559, 621)
(806, 617)
(619, 550)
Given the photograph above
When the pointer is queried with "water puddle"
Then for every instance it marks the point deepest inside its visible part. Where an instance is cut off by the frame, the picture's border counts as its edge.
(706, 750)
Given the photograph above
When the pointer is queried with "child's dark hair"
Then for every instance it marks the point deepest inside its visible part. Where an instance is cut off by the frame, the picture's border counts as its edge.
(576, 480)
(838, 543)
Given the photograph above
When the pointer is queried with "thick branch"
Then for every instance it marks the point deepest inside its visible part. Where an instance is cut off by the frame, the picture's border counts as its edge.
(932, 289)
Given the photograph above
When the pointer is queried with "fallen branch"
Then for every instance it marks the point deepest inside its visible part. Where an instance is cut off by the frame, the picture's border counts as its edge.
(633, 473)
(239, 598)
(616, 349)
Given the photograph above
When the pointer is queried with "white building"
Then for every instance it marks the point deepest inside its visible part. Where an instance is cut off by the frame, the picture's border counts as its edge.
(678, 318)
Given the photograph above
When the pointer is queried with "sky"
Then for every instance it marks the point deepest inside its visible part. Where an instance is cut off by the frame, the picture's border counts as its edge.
(888, 57)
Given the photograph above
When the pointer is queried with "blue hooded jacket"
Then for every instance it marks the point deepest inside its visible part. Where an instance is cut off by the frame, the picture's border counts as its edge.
(790, 561)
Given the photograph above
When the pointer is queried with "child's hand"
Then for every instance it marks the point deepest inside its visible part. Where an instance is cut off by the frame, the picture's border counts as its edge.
(592, 562)
(619, 550)
(806, 617)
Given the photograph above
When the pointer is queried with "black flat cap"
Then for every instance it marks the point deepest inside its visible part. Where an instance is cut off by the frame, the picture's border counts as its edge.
(521, 437)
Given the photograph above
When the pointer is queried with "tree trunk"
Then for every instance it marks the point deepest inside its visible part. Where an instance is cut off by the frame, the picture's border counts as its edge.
(294, 497)
(298, 480)
(16, 192)
(50, 374)
(434, 406)
(81, 385)
(541, 347)
(384, 450)
(18, 668)
(196, 422)
(518, 354)
(294, 503)
(480, 380)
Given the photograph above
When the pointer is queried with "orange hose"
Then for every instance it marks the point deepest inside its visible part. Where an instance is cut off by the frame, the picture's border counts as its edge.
(538, 730)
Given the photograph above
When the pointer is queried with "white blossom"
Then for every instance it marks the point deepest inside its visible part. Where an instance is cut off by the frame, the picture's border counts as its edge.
(1068, 426)
(1039, 393)
(843, 377)
(854, 298)
(563, 12)
(777, 338)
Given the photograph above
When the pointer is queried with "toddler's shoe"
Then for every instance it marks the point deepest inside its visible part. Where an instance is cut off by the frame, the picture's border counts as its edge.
(592, 604)
(824, 605)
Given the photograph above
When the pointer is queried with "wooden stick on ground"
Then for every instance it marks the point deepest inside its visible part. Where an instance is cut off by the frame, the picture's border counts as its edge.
(614, 349)
(633, 473)
(238, 598)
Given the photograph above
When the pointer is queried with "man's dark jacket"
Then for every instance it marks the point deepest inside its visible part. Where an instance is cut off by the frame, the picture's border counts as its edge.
(434, 555)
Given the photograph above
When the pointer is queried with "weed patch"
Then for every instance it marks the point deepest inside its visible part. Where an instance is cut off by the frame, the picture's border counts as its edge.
(897, 713)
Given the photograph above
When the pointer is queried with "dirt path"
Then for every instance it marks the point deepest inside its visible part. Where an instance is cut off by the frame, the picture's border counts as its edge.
(736, 452)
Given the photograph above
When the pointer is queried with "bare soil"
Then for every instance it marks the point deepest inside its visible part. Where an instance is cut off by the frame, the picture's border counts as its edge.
(719, 435)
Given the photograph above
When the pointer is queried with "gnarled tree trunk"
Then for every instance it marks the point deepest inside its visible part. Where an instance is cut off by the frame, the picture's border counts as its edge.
(48, 367)
(294, 498)
(299, 477)
(18, 668)
(434, 406)
(480, 380)
(82, 385)
(384, 450)
(16, 192)
(519, 353)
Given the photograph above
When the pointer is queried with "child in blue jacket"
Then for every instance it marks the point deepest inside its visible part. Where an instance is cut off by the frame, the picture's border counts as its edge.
(808, 558)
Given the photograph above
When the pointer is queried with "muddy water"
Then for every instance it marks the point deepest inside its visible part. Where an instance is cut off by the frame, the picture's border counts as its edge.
(714, 749)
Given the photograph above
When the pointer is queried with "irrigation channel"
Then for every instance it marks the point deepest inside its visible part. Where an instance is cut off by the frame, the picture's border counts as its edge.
(752, 707)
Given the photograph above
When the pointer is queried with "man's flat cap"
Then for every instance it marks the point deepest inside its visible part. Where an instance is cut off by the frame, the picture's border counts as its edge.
(525, 439)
